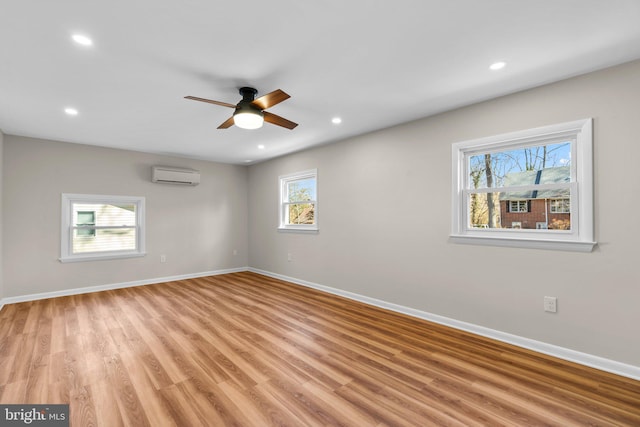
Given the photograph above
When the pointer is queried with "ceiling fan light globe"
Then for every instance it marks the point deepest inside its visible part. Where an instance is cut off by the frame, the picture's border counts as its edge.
(248, 119)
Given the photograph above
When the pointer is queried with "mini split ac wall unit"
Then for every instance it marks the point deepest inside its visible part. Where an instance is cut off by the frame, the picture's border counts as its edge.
(171, 175)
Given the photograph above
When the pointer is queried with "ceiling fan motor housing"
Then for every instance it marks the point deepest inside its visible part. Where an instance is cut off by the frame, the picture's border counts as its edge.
(248, 93)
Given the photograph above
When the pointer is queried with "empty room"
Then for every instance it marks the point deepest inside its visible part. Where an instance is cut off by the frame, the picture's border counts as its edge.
(410, 213)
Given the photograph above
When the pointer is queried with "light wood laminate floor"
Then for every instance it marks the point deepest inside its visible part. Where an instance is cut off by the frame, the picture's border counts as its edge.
(247, 350)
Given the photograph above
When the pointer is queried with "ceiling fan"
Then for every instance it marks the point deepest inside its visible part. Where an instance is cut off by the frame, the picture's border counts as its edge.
(250, 112)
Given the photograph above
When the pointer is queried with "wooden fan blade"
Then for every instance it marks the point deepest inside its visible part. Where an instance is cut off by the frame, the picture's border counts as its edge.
(270, 99)
(277, 120)
(227, 124)
(211, 101)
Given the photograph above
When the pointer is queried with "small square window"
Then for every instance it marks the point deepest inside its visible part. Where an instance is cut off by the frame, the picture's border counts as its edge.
(86, 219)
(560, 206)
(518, 206)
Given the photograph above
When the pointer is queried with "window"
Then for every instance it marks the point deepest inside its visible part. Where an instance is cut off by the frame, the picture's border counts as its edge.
(101, 227)
(86, 218)
(299, 201)
(560, 206)
(518, 206)
(506, 187)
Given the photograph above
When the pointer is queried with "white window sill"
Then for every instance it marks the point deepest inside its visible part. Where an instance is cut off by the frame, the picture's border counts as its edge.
(298, 230)
(100, 257)
(510, 242)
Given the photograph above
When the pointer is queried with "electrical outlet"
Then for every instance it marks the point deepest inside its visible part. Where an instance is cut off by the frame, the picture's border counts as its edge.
(551, 304)
(163, 258)
(289, 257)
(235, 252)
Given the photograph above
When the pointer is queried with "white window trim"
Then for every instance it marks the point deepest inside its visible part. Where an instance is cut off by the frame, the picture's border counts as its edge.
(66, 253)
(297, 228)
(579, 239)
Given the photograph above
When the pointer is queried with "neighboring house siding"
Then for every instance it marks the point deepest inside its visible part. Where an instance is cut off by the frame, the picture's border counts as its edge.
(105, 215)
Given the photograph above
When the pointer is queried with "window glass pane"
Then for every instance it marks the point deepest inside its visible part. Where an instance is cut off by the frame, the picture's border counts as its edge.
(301, 190)
(301, 213)
(86, 218)
(532, 165)
(105, 215)
(104, 239)
(511, 211)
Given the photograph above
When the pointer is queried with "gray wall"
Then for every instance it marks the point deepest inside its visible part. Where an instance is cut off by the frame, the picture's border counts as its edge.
(197, 228)
(384, 217)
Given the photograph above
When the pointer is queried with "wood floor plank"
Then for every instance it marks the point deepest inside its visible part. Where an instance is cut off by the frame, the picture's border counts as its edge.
(84, 413)
(309, 412)
(106, 406)
(257, 410)
(331, 403)
(153, 405)
(243, 349)
(129, 403)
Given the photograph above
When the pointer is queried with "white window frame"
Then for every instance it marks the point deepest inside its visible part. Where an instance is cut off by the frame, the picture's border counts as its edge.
(66, 232)
(581, 236)
(284, 180)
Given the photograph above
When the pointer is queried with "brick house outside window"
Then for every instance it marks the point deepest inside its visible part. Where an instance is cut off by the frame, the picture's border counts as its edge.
(538, 209)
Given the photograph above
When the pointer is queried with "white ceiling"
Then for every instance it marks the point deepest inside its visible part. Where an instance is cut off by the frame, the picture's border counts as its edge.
(373, 63)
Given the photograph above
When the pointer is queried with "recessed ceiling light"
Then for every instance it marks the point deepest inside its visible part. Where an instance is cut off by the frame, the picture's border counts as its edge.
(336, 120)
(261, 147)
(71, 111)
(497, 65)
(248, 161)
(82, 40)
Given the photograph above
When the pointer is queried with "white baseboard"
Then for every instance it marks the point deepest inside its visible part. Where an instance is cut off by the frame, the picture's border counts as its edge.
(596, 362)
(78, 291)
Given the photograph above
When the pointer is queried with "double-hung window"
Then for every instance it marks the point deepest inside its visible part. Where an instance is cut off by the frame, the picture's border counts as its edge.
(101, 227)
(560, 206)
(531, 188)
(518, 206)
(87, 221)
(298, 210)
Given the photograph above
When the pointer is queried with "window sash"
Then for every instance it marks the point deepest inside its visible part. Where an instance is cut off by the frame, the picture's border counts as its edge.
(571, 187)
(517, 146)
